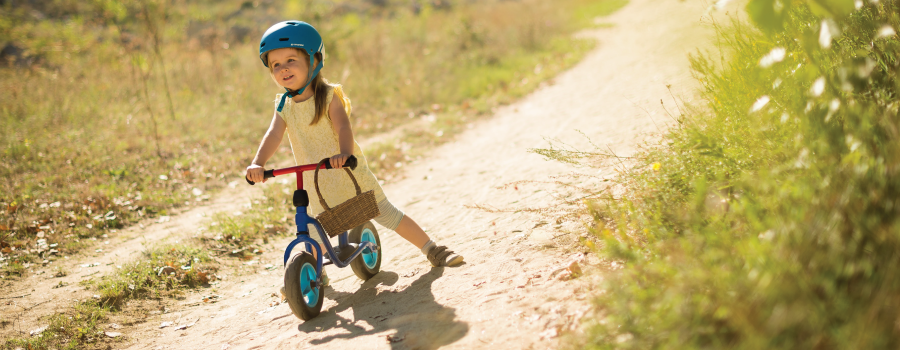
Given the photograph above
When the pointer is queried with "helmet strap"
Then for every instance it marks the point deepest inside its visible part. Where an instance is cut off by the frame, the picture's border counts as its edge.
(309, 80)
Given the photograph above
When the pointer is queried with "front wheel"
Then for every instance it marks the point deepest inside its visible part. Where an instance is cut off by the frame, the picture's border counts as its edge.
(368, 263)
(301, 287)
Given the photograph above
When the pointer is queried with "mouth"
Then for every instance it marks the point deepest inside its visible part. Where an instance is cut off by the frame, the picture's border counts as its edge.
(288, 77)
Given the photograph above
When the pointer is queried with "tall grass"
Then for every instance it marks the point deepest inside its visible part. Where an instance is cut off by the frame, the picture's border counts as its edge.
(768, 219)
(118, 110)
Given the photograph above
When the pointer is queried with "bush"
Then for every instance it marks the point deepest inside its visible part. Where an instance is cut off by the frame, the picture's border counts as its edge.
(768, 221)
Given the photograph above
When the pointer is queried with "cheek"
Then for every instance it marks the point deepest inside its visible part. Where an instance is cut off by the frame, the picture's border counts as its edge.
(298, 66)
(274, 78)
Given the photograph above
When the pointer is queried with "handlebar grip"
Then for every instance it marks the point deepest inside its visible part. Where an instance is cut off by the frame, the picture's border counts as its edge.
(350, 163)
(268, 174)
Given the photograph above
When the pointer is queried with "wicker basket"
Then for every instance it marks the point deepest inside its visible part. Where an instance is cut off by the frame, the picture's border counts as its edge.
(354, 212)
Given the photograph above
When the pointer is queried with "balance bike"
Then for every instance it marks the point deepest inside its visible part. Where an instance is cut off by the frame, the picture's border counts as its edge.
(303, 271)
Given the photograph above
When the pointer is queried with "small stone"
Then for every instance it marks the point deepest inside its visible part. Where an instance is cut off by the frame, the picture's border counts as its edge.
(38, 331)
(166, 270)
(575, 269)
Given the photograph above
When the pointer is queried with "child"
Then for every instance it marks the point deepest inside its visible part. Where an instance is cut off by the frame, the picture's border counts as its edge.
(318, 126)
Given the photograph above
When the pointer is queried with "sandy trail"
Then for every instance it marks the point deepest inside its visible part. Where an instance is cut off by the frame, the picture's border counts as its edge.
(507, 294)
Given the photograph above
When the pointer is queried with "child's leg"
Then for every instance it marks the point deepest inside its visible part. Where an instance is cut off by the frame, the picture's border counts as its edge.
(412, 232)
(406, 227)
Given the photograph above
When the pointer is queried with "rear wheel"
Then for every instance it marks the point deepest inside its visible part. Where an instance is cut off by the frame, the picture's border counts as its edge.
(303, 292)
(368, 262)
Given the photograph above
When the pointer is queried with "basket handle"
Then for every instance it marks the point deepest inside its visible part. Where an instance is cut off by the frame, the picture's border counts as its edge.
(322, 163)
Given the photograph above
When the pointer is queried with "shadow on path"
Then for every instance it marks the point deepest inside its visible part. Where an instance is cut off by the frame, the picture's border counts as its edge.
(421, 322)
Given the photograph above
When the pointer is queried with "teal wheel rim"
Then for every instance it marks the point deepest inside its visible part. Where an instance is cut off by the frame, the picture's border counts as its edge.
(307, 279)
(370, 257)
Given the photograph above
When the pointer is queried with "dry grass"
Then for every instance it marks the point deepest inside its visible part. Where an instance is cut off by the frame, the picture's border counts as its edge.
(121, 111)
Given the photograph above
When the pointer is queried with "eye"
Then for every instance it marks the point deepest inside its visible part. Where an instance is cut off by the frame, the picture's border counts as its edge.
(291, 60)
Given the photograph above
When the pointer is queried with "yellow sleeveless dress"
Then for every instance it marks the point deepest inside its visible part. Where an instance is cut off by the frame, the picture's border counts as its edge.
(312, 143)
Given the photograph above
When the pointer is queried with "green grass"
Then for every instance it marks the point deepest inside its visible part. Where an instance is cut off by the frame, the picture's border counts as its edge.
(82, 326)
(242, 235)
(104, 118)
(189, 267)
(165, 272)
(79, 328)
(767, 227)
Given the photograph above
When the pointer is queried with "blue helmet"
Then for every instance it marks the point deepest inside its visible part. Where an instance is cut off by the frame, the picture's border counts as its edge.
(298, 35)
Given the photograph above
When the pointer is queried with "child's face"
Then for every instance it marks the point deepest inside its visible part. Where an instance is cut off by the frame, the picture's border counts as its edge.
(289, 67)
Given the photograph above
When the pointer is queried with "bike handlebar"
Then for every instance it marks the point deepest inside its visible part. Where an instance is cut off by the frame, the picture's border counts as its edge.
(350, 163)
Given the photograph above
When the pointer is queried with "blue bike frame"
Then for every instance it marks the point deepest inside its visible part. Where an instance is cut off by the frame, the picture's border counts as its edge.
(301, 201)
(303, 221)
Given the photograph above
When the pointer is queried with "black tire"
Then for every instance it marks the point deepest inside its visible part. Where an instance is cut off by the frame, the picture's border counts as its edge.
(366, 265)
(297, 277)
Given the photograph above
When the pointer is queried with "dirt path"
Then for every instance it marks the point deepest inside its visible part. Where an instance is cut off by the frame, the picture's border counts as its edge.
(27, 301)
(508, 294)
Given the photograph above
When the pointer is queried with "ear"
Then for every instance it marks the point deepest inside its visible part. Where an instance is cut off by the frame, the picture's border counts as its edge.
(318, 58)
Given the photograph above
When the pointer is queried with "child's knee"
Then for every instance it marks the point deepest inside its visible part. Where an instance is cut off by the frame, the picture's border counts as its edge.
(389, 216)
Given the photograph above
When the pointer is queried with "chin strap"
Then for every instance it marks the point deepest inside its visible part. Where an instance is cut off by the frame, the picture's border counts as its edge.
(290, 93)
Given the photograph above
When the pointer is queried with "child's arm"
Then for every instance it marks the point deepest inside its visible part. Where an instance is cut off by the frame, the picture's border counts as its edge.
(340, 122)
(267, 148)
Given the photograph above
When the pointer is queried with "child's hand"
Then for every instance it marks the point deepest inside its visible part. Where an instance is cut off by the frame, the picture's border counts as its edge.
(255, 173)
(338, 160)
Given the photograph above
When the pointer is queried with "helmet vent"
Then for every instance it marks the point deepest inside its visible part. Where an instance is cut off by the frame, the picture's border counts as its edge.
(293, 23)
(263, 44)
(283, 39)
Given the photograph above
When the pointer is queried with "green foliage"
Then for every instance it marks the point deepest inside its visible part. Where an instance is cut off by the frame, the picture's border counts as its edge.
(768, 222)
(265, 217)
(79, 328)
(770, 15)
(163, 270)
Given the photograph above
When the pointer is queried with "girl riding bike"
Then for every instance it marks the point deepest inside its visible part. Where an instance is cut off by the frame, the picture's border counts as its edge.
(316, 116)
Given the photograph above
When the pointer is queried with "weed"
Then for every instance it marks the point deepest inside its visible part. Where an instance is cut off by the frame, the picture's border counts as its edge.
(78, 328)
(14, 268)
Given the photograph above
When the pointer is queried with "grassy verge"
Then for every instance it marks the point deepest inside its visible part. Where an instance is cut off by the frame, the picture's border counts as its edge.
(242, 235)
(767, 220)
(118, 111)
(143, 287)
(163, 272)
